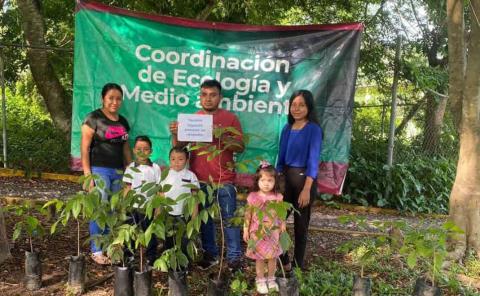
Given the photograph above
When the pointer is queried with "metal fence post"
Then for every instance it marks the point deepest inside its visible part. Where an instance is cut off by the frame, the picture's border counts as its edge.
(4, 109)
(393, 108)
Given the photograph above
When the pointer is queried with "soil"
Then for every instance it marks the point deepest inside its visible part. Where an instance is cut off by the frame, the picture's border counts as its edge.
(56, 249)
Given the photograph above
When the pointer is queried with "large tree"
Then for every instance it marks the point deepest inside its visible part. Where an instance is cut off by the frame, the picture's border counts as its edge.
(57, 99)
(464, 93)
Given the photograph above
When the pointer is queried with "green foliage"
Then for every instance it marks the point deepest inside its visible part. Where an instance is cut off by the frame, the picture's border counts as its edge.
(420, 185)
(34, 144)
(276, 213)
(326, 278)
(82, 206)
(238, 285)
(152, 203)
(28, 223)
(365, 251)
(429, 245)
(472, 265)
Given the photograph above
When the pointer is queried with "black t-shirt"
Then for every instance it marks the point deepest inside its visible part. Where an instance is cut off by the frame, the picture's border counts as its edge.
(106, 149)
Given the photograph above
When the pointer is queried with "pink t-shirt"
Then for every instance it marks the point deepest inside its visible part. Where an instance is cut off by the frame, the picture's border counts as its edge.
(221, 167)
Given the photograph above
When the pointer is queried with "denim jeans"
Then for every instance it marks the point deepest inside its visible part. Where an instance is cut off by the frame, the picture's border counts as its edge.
(112, 180)
(170, 240)
(227, 198)
(141, 220)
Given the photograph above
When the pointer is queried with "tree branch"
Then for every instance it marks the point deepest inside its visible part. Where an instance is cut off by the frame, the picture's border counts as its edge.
(409, 116)
(205, 13)
(377, 13)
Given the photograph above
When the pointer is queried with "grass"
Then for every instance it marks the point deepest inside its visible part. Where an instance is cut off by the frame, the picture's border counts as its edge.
(390, 276)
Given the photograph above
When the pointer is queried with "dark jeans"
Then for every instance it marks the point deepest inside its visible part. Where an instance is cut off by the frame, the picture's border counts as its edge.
(170, 240)
(143, 221)
(227, 199)
(294, 182)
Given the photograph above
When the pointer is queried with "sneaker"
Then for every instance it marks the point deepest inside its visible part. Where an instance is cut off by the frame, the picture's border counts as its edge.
(236, 265)
(207, 262)
(261, 285)
(272, 284)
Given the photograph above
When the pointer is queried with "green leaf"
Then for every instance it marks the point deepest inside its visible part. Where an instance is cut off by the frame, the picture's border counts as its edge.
(53, 228)
(285, 241)
(147, 186)
(76, 208)
(160, 264)
(114, 200)
(164, 175)
(190, 228)
(204, 216)
(412, 260)
(17, 231)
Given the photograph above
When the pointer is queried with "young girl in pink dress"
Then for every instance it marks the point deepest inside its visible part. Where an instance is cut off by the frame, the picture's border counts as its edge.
(262, 227)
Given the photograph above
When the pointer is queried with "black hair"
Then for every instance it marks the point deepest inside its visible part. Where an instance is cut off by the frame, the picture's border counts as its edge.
(308, 97)
(143, 139)
(212, 83)
(269, 169)
(179, 149)
(109, 86)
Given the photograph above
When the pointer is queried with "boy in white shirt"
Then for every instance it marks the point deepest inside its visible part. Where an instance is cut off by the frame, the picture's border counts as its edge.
(178, 177)
(138, 173)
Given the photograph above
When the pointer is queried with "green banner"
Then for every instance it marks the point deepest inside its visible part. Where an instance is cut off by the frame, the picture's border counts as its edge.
(160, 62)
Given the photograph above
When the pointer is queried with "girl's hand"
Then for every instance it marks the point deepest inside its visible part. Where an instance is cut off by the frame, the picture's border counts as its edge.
(304, 198)
(245, 235)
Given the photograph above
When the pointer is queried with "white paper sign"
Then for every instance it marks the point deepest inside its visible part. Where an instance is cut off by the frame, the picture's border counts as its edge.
(195, 127)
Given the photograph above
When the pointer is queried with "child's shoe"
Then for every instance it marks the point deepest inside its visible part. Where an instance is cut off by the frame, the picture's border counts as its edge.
(272, 284)
(262, 287)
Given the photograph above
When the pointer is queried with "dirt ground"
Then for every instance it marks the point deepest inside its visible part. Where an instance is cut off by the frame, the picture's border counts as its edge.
(55, 250)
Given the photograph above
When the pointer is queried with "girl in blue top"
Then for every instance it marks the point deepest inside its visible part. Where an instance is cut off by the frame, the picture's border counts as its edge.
(298, 160)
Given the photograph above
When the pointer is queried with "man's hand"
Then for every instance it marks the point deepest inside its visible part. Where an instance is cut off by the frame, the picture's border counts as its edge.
(173, 127)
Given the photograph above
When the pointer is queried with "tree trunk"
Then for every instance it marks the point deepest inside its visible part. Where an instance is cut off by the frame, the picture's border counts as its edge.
(456, 58)
(465, 196)
(4, 243)
(434, 113)
(57, 100)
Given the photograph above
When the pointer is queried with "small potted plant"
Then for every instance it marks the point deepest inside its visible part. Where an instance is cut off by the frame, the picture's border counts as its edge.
(182, 233)
(362, 253)
(82, 206)
(427, 247)
(114, 242)
(30, 226)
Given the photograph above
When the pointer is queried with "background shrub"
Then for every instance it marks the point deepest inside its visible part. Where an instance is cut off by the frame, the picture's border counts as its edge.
(34, 143)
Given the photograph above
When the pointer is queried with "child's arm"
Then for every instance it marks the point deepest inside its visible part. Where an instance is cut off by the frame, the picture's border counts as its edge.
(127, 179)
(246, 223)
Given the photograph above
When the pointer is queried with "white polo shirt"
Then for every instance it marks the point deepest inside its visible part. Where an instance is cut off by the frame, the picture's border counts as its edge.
(141, 174)
(177, 180)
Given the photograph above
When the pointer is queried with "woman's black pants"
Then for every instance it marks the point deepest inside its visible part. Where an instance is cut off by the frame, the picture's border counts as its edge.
(294, 182)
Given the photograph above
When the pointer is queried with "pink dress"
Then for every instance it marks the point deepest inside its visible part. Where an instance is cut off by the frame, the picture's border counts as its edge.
(269, 246)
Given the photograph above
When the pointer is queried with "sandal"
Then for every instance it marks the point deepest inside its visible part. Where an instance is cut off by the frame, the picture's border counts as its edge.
(100, 259)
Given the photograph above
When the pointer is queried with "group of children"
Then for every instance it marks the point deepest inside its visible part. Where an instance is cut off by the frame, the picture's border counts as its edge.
(261, 231)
